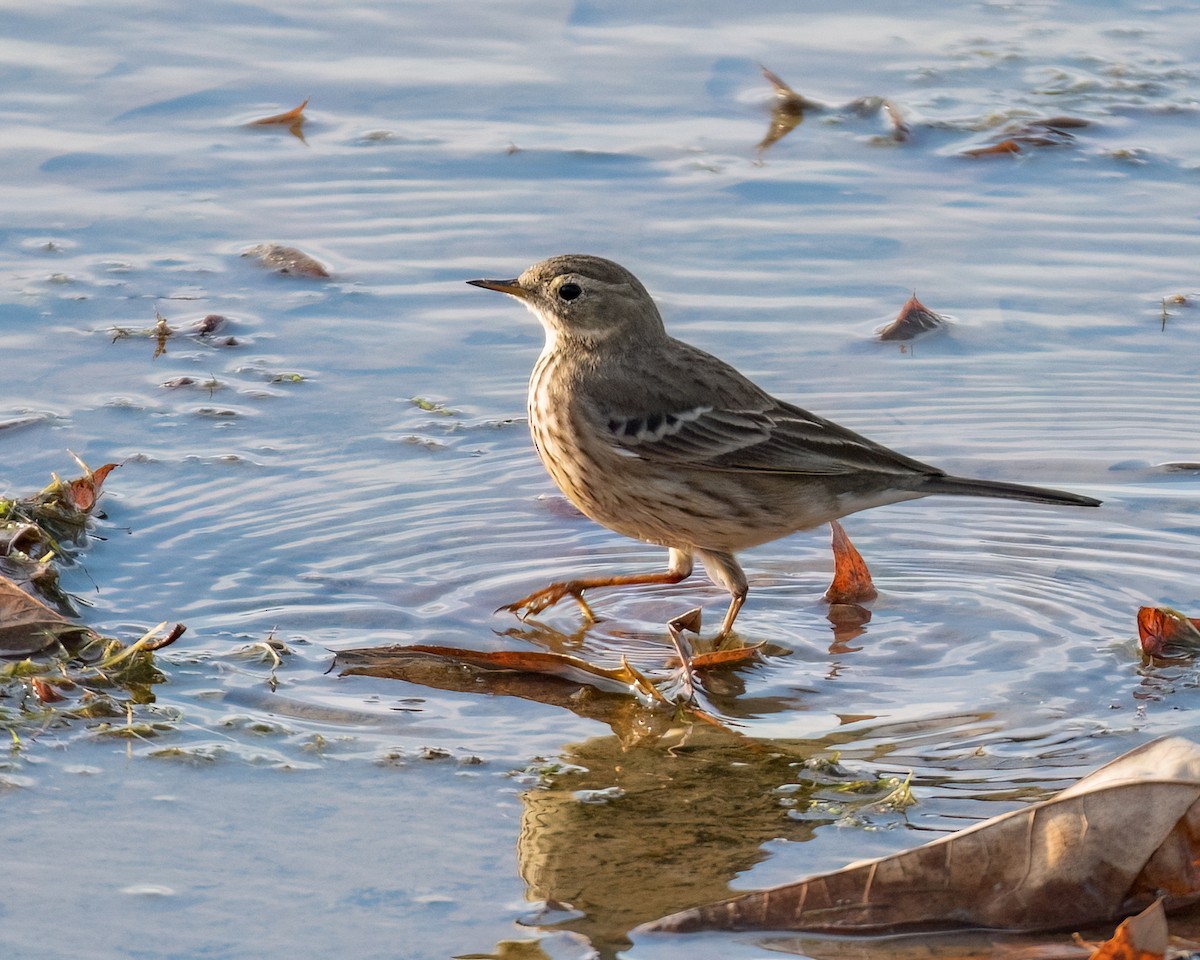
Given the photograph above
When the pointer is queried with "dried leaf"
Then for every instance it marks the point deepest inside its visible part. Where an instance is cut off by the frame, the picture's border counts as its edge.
(28, 626)
(901, 131)
(286, 260)
(1102, 849)
(1061, 123)
(85, 491)
(291, 117)
(1003, 147)
(1167, 633)
(728, 659)
(913, 320)
(1051, 132)
(1142, 937)
(162, 333)
(851, 578)
(44, 691)
(209, 325)
(788, 111)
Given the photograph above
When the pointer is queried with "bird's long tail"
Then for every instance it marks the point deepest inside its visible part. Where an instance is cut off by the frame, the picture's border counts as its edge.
(968, 487)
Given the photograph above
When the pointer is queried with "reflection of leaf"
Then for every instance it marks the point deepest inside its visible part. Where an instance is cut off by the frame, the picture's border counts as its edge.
(1099, 850)
(1164, 632)
(913, 320)
(28, 626)
(851, 578)
(633, 703)
(401, 662)
(286, 260)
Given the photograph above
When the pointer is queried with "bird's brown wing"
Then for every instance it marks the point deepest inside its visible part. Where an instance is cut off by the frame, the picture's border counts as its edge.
(684, 406)
(774, 437)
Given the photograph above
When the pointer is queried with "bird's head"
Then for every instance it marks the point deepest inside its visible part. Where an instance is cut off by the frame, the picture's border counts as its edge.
(584, 298)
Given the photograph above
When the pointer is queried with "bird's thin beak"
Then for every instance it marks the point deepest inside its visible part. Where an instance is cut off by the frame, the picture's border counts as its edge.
(511, 287)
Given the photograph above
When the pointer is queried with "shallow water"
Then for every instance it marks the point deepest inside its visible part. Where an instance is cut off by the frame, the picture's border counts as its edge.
(382, 819)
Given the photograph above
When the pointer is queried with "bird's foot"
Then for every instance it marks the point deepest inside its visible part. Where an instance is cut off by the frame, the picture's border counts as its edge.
(547, 597)
(676, 627)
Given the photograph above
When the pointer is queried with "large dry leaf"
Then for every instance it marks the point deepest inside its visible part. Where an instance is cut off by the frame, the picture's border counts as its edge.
(28, 626)
(1099, 851)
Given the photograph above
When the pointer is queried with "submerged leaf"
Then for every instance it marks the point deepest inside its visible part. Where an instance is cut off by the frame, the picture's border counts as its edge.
(1100, 850)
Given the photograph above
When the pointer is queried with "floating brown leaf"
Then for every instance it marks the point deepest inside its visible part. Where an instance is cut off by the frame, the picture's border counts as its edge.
(727, 659)
(851, 578)
(788, 111)
(1016, 137)
(1100, 850)
(44, 691)
(162, 333)
(28, 626)
(295, 116)
(286, 260)
(913, 320)
(209, 325)
(85, 491)
(1167, 633)
(1007, 146)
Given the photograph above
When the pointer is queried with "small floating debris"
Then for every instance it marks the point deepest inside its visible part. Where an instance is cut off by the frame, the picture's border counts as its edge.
(292, 119)
(286, 260)
(1030, 134)
(788, 112)
(914, 320)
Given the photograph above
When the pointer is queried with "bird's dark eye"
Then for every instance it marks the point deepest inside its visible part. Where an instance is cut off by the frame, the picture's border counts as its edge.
(569, 291)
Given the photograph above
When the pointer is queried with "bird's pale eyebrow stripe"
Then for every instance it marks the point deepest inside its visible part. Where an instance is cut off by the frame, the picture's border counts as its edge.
(655, 426)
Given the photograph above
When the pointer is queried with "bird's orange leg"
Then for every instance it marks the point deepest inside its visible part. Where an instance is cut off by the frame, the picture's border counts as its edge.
(679, 569)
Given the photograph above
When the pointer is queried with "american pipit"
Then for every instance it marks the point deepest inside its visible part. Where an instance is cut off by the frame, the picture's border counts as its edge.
(665, 443)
